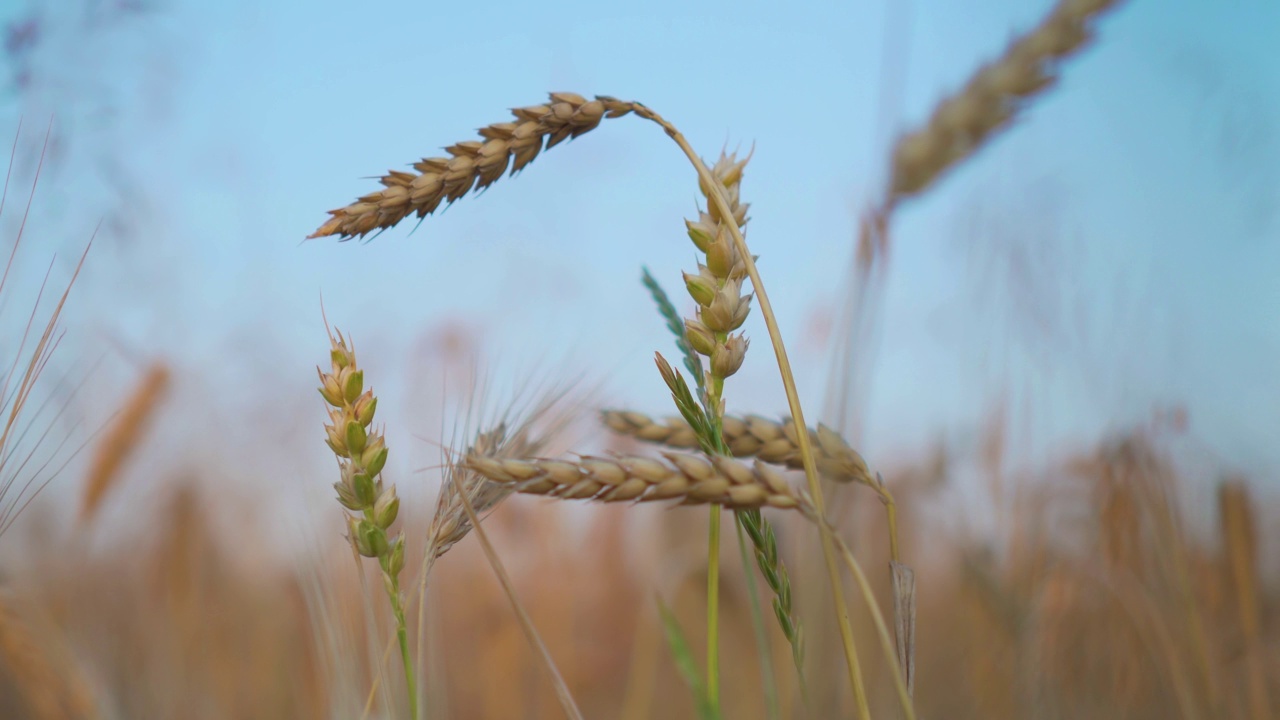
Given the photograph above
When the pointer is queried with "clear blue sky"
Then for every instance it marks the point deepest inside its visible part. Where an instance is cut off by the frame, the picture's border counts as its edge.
(1117, 250)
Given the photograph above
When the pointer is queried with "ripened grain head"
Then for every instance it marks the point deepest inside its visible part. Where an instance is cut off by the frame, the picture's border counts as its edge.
(689, 479)
(753, 436)
(505, 147)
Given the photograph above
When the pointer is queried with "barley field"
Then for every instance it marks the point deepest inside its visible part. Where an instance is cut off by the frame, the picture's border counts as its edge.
(907, 360)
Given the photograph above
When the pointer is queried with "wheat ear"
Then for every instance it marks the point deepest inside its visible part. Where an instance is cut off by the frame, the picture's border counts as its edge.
(770, 441)
(473, 164)
(122, 438)
(690, 479)
(991, 99)
(372, 506)
(751, 436)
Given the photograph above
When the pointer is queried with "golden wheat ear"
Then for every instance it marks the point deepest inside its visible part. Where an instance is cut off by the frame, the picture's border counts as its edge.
(752, 436)
(689, 479)
(962, 123)
(473, 164)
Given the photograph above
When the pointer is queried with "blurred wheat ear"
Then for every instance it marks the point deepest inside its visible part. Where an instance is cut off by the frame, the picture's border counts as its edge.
(122, 438)
(965, 121)
(50, 685)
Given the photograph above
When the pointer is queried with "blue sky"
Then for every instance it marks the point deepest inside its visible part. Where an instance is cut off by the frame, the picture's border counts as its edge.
(1115, 252)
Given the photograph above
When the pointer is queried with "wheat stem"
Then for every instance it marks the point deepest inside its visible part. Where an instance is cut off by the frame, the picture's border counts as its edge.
(716, 196)
(767, 680)
(713, 610)
(526, 623)
(882, 631)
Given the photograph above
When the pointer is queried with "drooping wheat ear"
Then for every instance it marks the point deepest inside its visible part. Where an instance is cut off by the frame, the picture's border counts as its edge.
(963, 122)
(474, 164)
(122, 438)
(372, 506)
(690, 479)
(752, 436)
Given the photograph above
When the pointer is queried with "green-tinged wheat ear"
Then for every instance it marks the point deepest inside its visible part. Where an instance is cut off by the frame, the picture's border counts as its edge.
(692, 480)
(753, 436)
(990, 100)
(473, 164)
(371, 506)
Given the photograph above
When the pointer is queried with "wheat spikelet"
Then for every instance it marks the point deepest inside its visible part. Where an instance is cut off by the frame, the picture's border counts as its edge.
(960, 124)
(121, 439)
(474, 164)
(690, 479)
(752, 436)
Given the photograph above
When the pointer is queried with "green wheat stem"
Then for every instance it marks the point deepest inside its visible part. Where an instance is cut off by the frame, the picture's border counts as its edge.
(797, 413)
(392, 586)
(713, 610)
(757, 625)
(402, 633)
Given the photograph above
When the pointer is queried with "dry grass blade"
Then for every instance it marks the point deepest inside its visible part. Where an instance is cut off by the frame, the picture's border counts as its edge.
(473, 164)
(692, 480)
(122, 438)
(992, 97)
(751, 436)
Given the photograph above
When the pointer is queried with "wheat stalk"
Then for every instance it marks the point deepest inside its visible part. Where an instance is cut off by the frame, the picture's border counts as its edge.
(570, 707)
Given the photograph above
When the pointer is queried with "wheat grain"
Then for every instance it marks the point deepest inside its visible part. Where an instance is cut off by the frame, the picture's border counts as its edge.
(690, 479)
(752, 436)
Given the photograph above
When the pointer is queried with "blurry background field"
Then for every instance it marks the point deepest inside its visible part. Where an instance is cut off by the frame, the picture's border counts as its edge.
(1069, 380)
